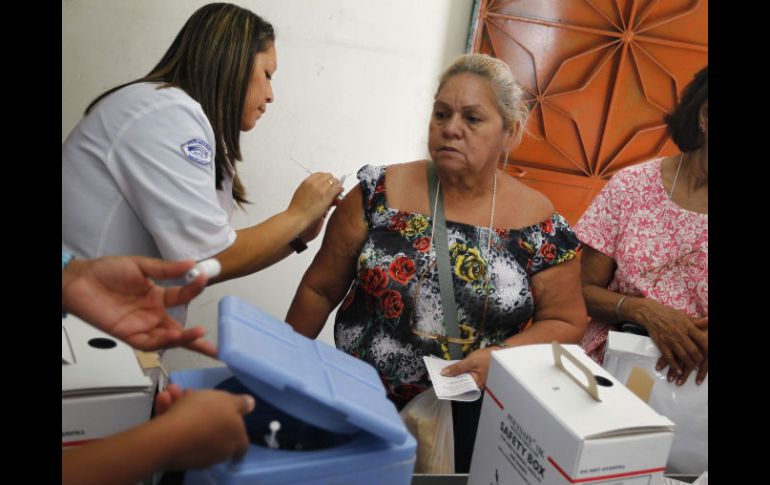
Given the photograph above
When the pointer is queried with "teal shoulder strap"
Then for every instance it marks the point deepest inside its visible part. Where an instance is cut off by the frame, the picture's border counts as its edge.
(440, 245)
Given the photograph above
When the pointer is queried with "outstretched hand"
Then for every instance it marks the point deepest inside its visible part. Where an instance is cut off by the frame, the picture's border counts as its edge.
(116, 294)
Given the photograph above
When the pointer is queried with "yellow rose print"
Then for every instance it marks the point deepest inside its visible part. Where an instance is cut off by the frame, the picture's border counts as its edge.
(415, 226)
(470, 266)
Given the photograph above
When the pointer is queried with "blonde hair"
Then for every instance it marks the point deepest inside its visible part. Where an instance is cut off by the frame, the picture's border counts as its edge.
(508, 92)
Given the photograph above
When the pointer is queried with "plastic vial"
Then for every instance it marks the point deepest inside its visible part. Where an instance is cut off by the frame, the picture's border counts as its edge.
(209, 267)
(271, 440)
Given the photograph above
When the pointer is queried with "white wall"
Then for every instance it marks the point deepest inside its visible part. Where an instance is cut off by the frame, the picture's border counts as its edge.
(354, 85)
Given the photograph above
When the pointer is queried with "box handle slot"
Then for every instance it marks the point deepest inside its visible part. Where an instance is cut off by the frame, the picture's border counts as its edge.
(559, 352)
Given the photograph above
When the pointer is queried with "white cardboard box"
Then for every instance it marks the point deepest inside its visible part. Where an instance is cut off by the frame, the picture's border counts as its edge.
(539, 426)
(104, 390)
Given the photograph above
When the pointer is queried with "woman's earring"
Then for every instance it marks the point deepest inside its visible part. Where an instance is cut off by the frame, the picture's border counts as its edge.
(505, 161)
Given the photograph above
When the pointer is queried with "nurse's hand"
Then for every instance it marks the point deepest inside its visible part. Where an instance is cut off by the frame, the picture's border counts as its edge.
(313, 199)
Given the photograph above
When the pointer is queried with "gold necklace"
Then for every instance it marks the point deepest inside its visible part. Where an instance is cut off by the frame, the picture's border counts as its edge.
(491, 213)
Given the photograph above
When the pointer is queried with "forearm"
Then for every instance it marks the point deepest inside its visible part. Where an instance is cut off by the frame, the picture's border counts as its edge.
(546, 331)
(125, 458)
(260, 246)
(309, 310)
(606, 306)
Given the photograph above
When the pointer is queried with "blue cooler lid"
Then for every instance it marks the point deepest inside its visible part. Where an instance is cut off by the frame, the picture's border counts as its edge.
(305, 378)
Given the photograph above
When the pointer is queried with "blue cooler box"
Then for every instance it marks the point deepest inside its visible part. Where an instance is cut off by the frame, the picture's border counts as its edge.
(330, 398)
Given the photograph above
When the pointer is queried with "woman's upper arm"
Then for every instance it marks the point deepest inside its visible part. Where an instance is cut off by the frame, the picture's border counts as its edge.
(558, 294)
(597, 268)
(334, 266)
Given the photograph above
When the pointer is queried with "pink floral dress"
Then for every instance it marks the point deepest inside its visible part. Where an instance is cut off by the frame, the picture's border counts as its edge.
(661, 249)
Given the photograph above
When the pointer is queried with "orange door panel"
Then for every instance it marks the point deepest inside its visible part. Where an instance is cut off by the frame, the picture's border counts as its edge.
(599, 76)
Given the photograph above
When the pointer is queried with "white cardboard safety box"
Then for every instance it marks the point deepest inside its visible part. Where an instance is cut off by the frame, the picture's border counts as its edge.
(104, 390)
(552, 416)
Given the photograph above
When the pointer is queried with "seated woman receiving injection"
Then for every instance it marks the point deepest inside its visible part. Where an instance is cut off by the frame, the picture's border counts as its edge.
(511, 258)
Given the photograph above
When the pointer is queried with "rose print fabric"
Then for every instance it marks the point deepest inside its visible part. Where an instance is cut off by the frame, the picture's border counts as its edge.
(660, 249)
(396, 286)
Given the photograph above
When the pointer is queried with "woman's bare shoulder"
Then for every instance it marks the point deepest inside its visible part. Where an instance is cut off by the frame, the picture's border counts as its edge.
(405, 185)
(406, 169)
(532, 206)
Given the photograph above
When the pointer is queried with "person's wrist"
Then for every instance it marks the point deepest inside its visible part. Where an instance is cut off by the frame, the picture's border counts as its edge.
(298, 218)
(619, 308)
(633, 309)
(71, 271)
(70, 268)
(168, 451)
(66, 259)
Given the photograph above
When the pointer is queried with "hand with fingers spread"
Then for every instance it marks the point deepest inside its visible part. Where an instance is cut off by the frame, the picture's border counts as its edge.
(117, 295)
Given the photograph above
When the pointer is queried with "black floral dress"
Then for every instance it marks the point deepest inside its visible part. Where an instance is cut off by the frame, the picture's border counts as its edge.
(396, 286)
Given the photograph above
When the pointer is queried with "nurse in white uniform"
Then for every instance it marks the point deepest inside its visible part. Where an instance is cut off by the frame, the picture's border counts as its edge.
(151, 169)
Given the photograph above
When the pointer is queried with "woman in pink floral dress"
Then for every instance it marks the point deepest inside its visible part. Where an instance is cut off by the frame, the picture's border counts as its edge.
(645, 257)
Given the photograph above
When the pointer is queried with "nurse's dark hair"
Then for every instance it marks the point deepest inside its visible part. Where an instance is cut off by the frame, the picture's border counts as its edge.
(211, 60)
(684, 122)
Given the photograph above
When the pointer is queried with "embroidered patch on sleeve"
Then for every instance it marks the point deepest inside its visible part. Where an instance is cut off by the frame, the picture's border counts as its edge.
(198, 151)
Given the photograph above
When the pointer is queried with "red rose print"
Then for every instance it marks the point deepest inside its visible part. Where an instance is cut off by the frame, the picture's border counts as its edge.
(391, 304)
(422, 244)
(374, 281)
(547, 226)
(402, 269)
(380, 188)
(397, 222)
(548, 251)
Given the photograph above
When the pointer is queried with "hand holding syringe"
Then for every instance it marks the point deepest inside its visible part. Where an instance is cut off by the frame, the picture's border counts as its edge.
(311, 203)
(342, 179)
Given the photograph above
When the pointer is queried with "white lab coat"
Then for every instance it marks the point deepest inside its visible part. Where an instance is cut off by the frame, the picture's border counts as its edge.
(138, 177)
